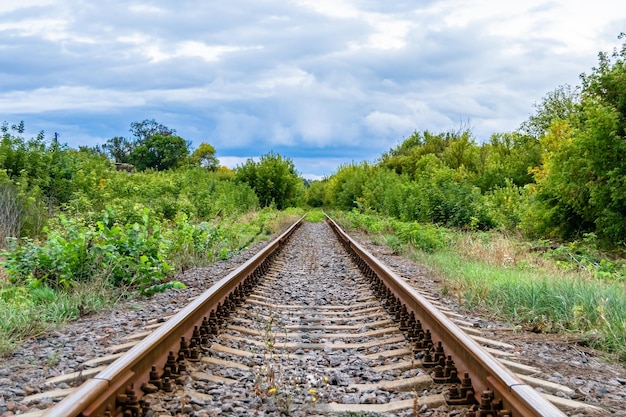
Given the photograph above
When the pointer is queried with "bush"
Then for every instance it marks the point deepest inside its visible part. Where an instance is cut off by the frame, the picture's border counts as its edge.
(274, 180)
(584, 255)
(196, 192)
(505, 206)
(194, 245)
(130, 255)
(437, 195)
(426, 237)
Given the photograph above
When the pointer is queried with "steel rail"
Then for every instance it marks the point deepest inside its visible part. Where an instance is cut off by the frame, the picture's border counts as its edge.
(104, 391)
(486, 372)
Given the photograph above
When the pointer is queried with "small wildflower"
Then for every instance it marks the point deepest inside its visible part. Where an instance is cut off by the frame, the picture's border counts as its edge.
(325, 379)
(263, 368)
(312, 391)
(272, 390)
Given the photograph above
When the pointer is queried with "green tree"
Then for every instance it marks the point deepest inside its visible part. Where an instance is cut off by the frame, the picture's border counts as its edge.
(118, 149)
(461, 151)
(455, 149)
(42, 176)
(274, 180)
(607, 83)
(560, 104)
(145, 129)
(315, 193)
(45, 168)
(124, 151)
(507, 157)
(204, 156)
(159, 152)
(345, 187)
(581, 186)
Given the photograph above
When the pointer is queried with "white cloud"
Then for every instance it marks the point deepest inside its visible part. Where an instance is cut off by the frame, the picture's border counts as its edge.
(572, 26)
(314, 123)
(12, 6)
(308, 76)
(158, 52)
(146, 8)
(283, 76)
(66, 98)
(338, 9)
(388, 124)
(46, 28)
(236, 129)
(282, 135)
(390, 33)
(233, 161)
(136, 38)
(387, 31)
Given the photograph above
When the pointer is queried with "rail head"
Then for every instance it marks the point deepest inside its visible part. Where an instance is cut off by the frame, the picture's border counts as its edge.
(486, 371)
(97, 395)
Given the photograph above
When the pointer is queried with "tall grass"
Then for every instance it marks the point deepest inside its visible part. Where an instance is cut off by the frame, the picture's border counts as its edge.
(28, 312)
(539, 300)
(506, 277)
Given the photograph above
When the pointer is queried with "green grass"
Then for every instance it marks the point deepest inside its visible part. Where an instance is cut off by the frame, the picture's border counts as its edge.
(538, 300)
(26, 312)
(504, 276)
(315, 216)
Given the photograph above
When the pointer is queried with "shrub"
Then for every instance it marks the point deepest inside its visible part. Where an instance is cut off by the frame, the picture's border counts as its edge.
(130, 255)
(505, 206)
(426, 237)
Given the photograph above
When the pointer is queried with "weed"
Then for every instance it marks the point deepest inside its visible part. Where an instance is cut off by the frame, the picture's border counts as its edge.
(315, 216)
(584, 256)
(28, 311)
(53, 359)
(85, 266)
(7, 346)
(394, 243)
(275, 382)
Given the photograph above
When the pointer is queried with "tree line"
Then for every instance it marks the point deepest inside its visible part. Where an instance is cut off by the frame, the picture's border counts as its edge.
(561, 174)
(41, 179)
(156, 146)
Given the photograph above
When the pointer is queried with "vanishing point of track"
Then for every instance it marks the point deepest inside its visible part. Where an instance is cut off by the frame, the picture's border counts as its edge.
(302, 341)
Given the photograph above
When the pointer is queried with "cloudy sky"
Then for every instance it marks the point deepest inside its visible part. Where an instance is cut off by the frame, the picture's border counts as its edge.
(323, 82)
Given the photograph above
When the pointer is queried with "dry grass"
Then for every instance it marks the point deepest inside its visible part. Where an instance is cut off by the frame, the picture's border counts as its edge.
(517, 284)
(282, 221)
(3, 275)
(503, 251)
(498, 250)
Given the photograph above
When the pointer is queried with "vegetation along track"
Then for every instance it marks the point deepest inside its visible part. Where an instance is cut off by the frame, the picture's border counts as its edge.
(308, 328)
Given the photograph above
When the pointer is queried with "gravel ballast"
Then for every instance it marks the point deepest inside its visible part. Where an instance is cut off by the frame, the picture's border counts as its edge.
(62, 350)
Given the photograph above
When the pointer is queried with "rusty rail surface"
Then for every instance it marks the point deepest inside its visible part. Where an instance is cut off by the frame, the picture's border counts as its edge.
(109, 389)
(489, 377)
(491, 382)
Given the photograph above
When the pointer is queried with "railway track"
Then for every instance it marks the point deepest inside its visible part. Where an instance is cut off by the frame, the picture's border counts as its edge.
(299, 330)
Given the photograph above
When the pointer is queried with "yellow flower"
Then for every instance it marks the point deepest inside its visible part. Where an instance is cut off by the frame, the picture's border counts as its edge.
(325, 379)
(272, 390)
(312, 391)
